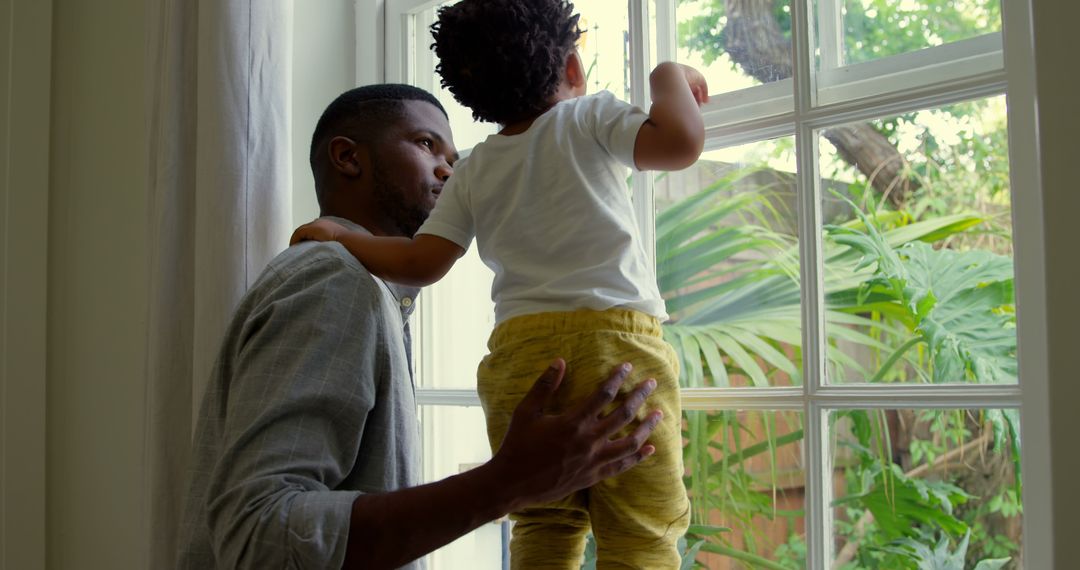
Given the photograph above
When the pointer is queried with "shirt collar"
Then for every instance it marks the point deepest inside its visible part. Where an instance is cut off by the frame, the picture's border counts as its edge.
(406, 296)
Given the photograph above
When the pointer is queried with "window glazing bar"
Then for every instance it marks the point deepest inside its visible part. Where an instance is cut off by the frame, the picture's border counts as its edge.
(640, 66)
(829, 33)
(945, 67)
(813, 326)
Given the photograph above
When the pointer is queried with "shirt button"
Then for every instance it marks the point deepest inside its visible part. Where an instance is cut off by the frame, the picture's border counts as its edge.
(406, 302)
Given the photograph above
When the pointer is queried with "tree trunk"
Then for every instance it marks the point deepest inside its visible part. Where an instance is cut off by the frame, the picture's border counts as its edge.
(859, 144)
(753, 40)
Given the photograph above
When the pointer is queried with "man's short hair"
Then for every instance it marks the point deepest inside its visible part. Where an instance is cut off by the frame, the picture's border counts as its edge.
(364, 113)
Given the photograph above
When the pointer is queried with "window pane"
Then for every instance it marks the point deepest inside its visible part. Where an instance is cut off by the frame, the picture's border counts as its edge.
(458, 317)
(735, 44)
(455, 440)
(909, 482)
(918, 247)
(728, 266)
(746, 481)
(744, 476)
(874, 29)
(604, 47)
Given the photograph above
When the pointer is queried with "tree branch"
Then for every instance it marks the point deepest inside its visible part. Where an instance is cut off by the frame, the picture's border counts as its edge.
(753, 39)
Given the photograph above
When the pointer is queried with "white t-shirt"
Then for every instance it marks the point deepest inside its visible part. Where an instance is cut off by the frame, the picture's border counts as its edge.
(550, 209)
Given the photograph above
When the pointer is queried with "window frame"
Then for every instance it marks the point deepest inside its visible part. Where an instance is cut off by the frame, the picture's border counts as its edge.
(801, 106)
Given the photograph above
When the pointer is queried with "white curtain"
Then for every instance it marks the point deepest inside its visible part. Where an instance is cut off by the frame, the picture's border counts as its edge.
(220, 156)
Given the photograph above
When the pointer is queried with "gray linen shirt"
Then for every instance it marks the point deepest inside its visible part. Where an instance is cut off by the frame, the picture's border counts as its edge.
(311, 403)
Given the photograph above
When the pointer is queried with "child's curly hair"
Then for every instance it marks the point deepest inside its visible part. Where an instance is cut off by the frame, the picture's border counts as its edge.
(504, 58)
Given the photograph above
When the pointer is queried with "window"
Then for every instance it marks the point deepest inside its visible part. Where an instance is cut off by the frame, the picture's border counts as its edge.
(839, 267)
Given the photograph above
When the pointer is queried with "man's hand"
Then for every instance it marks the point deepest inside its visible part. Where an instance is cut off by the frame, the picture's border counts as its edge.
(543, 457)
(546, 457)
(319, 230)
(698, 86)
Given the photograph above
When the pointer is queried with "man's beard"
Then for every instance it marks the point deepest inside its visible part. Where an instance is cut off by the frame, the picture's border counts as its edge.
(406, 217)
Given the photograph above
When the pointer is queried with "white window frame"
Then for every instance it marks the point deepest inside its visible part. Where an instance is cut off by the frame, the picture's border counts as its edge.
(801, 107)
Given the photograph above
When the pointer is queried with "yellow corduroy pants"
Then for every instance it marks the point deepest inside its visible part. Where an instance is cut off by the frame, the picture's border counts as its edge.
(636, 517)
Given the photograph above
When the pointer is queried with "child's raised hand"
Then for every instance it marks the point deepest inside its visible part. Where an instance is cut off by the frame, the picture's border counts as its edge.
(319, 230)
(698, 86)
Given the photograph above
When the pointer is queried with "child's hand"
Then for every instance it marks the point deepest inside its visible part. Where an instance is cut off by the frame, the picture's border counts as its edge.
(698, 86)
(319, 230)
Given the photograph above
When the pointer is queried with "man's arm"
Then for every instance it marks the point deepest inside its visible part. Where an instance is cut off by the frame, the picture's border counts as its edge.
(542, 458)
(301, 375)
(417, 262)
(674, 135)
(300, 390)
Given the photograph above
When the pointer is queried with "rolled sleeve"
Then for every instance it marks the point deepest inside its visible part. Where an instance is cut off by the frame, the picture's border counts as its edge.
(315, 523)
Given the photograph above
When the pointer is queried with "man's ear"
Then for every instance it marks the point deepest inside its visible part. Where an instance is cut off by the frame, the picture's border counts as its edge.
(348, 157)
(575, 70)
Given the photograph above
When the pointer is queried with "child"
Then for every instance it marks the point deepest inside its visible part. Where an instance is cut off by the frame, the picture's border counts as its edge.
(547, 202)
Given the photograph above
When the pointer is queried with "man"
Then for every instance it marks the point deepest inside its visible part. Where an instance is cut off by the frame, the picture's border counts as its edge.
(305, 455)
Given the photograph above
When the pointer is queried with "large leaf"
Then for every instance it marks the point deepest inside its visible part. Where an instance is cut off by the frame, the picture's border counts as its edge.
(733, 287)
(958, 301)
(900, 503)
(970, 337)
(940, 557)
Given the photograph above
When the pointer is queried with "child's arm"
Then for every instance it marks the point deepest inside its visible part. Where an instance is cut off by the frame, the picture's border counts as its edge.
(418, 262)
(674, 135)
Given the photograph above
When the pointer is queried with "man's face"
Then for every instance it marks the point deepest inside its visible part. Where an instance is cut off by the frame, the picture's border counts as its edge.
(411, 165)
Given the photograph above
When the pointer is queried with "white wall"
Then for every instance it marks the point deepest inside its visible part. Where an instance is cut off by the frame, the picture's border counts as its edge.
(97, 291)
(324, 66)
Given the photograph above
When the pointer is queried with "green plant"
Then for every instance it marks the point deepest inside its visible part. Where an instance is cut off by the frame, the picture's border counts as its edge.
(957, 303)
(939, 314)
(926, 292)
(898, 501)
(939, 557)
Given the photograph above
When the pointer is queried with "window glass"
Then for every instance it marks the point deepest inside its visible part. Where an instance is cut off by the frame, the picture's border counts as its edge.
(746, 481)
(918, 247)
(735, 44)
(915, 488)
(458, 316)
(605, 45)
(727, 262)
(874, 29)
(455, 440)
(916, 275)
